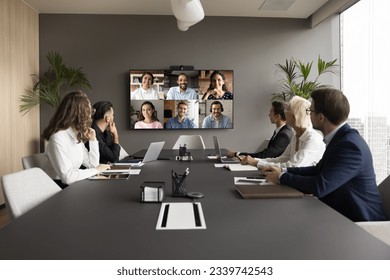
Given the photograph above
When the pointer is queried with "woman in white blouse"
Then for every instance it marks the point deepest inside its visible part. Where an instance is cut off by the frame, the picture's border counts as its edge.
(306, 146)
(145, 91)
(66, 133)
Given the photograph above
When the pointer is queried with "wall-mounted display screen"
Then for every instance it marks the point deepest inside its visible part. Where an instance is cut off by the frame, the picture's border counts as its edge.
(175, 99)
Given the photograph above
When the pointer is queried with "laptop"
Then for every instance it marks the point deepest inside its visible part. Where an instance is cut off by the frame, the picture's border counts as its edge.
(219, 154)
(152, 154)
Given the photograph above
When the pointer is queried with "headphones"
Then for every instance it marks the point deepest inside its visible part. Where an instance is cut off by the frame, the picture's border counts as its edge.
(216, 103)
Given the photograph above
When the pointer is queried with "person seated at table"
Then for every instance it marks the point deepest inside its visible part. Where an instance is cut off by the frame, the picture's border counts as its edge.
(181, 121)
(306, 146)
(280, 139)
(216, 119)
(344, 178)
(106, 132)
(217, 88)
(68, 130)
(145, 91)
(148, 118)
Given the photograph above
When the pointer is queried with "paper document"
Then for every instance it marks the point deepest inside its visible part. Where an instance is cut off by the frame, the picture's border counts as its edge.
(240, 167)
(181, 215)
(135, 171)
(247, 181)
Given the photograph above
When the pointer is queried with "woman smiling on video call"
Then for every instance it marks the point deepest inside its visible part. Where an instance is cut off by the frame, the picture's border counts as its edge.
(147, 118)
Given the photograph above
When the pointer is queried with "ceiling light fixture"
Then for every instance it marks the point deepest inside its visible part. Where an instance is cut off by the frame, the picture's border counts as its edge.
(187, 13)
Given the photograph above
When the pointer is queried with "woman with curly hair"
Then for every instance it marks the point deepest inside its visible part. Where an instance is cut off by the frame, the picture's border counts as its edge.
(66, 134)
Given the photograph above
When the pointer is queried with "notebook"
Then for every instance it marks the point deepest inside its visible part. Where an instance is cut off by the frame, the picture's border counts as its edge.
(268, 191)
(219, 154)
(152, 154)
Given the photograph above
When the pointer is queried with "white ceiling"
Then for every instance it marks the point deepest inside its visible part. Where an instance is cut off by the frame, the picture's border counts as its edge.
(239, 8)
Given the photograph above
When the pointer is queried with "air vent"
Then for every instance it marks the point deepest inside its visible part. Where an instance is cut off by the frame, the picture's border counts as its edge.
(276, 5)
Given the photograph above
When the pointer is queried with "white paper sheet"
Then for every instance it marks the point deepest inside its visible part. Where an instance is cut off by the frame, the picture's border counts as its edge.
(135, 171)
(246, 181)
(180, 216)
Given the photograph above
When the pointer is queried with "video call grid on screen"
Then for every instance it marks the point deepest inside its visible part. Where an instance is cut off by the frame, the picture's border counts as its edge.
(201, 111)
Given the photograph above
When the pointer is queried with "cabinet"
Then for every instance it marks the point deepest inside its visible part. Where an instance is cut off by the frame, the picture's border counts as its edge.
(158, 83)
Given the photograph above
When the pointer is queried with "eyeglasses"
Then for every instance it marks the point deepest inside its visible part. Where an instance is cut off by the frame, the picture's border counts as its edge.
(309, 111)
(93, 111)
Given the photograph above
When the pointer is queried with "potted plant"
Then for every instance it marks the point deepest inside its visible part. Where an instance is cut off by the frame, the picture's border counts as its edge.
(296, 81)
(57, 80)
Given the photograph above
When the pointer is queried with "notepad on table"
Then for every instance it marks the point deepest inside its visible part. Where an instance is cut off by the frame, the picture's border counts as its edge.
(240, 167)
(268, 191)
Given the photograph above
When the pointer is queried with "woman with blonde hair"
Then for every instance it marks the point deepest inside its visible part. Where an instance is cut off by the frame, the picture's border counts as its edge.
(66, 134)
(306, 146)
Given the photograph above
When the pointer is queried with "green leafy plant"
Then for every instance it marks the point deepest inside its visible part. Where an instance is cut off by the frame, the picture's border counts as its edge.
(296, 81)
(57, 80)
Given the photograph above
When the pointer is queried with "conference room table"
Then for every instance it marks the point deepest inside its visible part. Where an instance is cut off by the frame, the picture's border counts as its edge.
(104, 219)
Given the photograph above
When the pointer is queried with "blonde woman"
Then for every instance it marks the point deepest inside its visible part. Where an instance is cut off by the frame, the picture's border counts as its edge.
(306, 147)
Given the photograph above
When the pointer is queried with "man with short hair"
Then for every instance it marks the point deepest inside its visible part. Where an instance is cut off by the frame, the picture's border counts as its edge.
(181, 121)
(216, 119)
(182, 91)
(106, 132)
(344, 178)
(280, 139)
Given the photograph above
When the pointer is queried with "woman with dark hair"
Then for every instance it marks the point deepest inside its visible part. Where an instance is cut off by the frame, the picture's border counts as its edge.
(217, 88)
(145, 91)
(66, 134)
(148, 118)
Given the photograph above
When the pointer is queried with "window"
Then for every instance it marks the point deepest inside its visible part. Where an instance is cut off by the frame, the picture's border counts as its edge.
(365, 75)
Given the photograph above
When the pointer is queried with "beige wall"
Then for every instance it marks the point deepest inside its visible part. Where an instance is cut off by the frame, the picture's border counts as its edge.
(19, 58)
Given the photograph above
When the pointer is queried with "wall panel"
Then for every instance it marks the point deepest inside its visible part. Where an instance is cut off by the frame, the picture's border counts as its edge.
(19, 58)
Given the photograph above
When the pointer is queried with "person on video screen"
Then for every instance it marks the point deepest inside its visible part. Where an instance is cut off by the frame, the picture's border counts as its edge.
(145, 91)
(148, 117)
(217, 88)
(182, 91)
(181, 121)
(216, 119)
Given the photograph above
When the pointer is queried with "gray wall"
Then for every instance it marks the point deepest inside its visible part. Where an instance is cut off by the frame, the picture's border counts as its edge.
(107, 46)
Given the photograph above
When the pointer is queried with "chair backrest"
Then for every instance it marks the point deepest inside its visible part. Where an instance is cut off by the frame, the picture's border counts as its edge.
(191, 141)
(384, 190)
(39, 160)
(26, 189)
(263, 145)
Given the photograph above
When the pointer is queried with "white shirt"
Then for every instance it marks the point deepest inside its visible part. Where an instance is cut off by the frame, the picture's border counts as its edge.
(311, 149)
(141, 94)
(66, 156)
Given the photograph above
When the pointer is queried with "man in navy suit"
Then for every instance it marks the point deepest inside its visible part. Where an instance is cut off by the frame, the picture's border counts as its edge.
(280, 139)
(344, 178)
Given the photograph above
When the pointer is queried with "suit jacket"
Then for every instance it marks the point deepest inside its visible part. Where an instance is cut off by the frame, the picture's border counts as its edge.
(276, 145)
(344, 178)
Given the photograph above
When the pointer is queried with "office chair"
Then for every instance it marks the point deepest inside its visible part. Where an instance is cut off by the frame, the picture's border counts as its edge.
(191, 141)
(26, 189)
(381, 229)
(263, 145)
(39, 160)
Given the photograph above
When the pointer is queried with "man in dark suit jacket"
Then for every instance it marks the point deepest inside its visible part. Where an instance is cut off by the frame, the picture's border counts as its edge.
(281, 138)
(344, 178)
